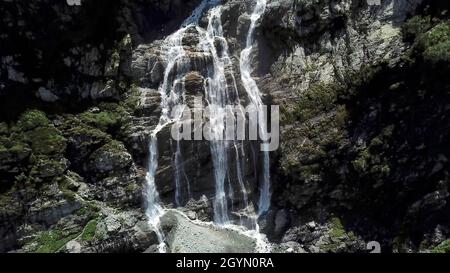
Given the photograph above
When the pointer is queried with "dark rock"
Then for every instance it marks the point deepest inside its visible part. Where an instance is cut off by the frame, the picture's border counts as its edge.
(112, 156)
(194, 83)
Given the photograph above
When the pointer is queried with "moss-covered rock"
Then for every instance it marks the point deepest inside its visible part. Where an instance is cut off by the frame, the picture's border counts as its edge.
(103, 120)
(340, 240)
(317, 99)
(435, 43)
(111, 157)
(53, 240)
(46, 140)
(45, 167)
(13, 154)
(82, 141)
(416, 26)
(90, 230)
(109, 117)
(31, 120)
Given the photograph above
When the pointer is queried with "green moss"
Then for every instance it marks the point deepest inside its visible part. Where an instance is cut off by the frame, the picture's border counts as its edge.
(89, 231)
(89, 211)
(372, 160)
(111, 116)
(114, 146)
(46, 140)
(444, 247)
(132, 187)
(337, 228)
(32, 119)
(416, 26)
(342, 116)
(45, 167)
(91, 135)
(22, 178)
(52, 241)
(133, 99)
(65, 188)
(7, 204)
(318, 98)
(17, 152)
(337, 236)
(361, 163)
(435, 43)
(377, 141)
(103, 120)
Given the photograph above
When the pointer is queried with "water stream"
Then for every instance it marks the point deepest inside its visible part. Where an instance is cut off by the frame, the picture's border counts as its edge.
(254, 95)
(221, 95)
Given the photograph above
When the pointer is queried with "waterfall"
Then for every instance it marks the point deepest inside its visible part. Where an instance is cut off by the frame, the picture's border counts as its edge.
(171, 96)
(153, 208)
(221, 96)
(254, 95)
(218, 101)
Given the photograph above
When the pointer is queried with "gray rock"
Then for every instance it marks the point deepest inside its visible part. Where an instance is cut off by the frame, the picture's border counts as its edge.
(191, 215)
(73, 247)
(183, 236)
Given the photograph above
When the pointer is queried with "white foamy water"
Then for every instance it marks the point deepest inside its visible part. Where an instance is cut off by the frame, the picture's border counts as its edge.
(254, 95)
(220, 93)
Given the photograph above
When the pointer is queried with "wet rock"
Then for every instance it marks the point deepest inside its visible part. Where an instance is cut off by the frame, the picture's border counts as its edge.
(289, 247)
(191, 38)
(194, 83)
(202, 208)
(146, 66)
(191, 215)
(184, 236)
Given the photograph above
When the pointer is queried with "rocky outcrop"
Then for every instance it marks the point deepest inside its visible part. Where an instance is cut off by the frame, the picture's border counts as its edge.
(57, 168)
(342, 133)
(184, 236)
(83, 53)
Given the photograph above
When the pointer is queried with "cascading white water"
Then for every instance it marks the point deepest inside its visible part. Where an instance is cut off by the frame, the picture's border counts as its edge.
(217, 96)
(220, 93)
(153, 208)
(254, 95)
(171, 92)
(171, 96)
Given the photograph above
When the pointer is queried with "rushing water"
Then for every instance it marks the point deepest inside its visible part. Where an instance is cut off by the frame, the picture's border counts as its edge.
(221, 94)
(254, 95)
(153, 208)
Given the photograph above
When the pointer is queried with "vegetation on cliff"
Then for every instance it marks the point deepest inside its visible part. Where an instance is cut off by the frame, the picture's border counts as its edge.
(373, 148)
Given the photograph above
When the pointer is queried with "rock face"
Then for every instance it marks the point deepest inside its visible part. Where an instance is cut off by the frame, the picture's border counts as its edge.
(340, 152)
(69, 182)
(363, 92)
(184, 236)
(91, 45)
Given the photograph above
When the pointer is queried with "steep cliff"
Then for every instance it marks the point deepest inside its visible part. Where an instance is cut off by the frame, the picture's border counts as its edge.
(364, 103)
(366, 118)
